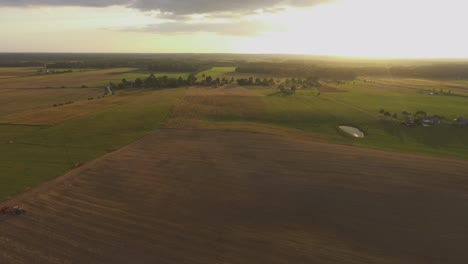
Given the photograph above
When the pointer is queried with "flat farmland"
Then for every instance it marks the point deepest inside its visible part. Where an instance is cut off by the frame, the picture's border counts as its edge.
(72, 79)
(41, 144)
(183, 196)
(11, 72)
(315, 117)
(456, 87)
(14, 101)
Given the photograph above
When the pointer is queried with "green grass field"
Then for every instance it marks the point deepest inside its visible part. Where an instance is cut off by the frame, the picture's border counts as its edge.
(217, 72)
(33, 154)
(358, 105)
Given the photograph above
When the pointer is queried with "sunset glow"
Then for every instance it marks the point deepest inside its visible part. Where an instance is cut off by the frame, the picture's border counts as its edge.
(360, 28)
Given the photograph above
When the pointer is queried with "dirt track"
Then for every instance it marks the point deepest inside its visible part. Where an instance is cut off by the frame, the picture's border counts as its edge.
(231, 197)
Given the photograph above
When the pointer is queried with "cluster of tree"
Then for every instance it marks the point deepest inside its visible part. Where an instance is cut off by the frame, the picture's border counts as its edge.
(256, 81)
(298, 69)
(287, 90)
(388, 114)
(311, 81)
(155, 82)
(210, 81)
(289, 86)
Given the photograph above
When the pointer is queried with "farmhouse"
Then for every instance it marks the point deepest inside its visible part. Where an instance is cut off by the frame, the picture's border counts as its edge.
(430, 120)
(462, 121)
(410, 122)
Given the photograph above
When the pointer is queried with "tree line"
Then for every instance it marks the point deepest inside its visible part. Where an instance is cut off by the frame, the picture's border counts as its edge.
(297, 70)
(430, 71)
(155, 82)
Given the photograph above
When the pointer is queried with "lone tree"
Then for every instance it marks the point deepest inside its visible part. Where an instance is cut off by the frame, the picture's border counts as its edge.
(420, 113)
(138, 82)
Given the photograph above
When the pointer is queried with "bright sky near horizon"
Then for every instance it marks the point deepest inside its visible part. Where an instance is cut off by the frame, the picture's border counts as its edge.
(358, 28)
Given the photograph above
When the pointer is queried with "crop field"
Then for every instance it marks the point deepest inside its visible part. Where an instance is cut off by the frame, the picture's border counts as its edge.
(230, 174)
(456, 87)
(15, 101)
(184, 196)
(7, 73)
(73, 79)
(43, 144)
(40, 142)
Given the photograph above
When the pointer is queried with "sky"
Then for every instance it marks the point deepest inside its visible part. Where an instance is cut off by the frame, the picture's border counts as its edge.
(355, 28)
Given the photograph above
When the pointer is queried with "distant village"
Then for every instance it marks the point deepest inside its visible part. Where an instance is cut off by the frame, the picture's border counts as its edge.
(421, 118)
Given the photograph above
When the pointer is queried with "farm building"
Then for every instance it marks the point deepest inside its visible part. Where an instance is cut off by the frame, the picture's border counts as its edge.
(431, 120)
(462, 121)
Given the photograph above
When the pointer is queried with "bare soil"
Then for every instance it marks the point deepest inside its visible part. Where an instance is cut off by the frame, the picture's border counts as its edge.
(183, 196)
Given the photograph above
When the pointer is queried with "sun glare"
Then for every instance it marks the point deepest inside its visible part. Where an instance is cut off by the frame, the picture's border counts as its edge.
(357, 28)
(365, 28)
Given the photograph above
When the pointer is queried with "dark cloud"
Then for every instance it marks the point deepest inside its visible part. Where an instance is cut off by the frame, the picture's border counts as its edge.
(213, 6)
(238, 28)
(89, 3)
(174, 6)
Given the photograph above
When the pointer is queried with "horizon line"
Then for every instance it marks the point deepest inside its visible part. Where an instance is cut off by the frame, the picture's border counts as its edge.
(235, 53)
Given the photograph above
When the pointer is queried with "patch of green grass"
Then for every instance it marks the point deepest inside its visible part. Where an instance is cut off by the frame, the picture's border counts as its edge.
(217, 72)
(358, 106)
(39, 154)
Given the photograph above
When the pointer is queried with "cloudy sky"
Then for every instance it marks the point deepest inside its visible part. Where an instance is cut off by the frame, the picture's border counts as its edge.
(361, 28)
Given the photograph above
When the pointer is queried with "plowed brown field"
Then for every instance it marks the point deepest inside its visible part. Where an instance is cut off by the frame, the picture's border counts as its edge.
(181, 196)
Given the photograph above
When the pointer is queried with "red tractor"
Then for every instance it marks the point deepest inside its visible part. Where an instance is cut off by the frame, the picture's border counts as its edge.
(16, 210)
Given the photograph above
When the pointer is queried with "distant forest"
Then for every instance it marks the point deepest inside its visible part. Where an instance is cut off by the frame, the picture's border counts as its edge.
(272, 65)
(434, 71)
